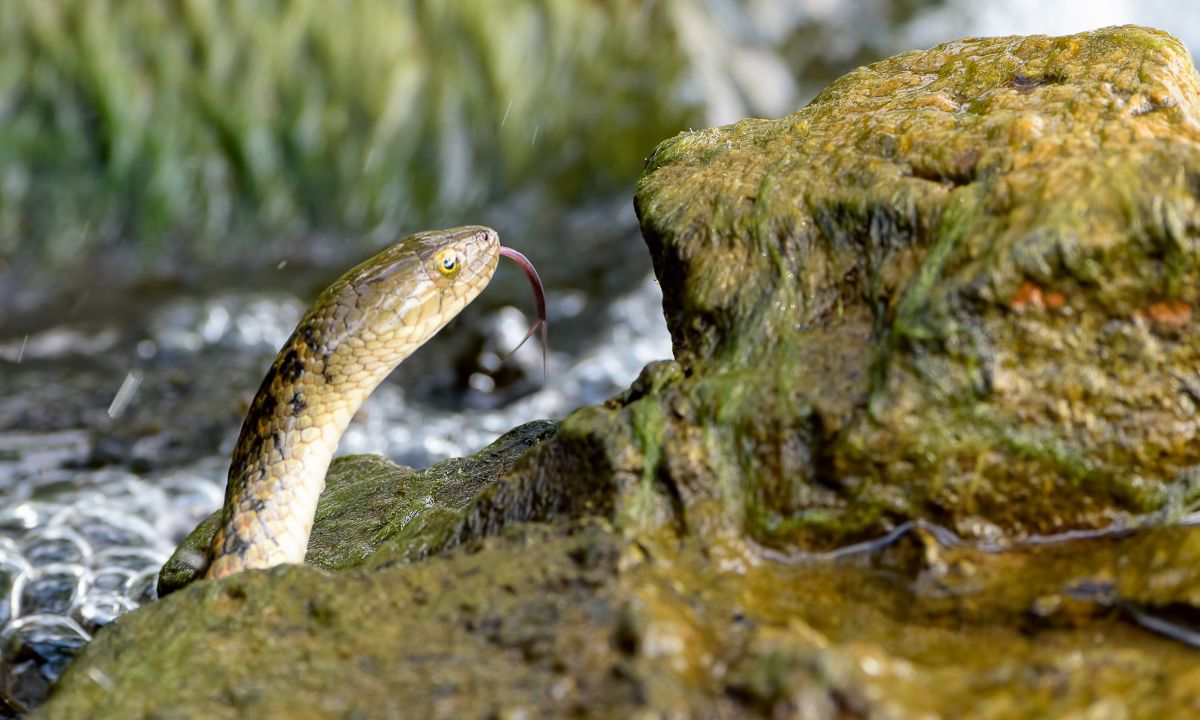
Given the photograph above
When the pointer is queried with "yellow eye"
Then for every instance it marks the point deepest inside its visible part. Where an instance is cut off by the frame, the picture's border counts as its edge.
(447, 262)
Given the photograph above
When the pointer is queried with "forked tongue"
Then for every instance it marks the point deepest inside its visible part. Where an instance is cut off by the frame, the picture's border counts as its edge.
(540, 295)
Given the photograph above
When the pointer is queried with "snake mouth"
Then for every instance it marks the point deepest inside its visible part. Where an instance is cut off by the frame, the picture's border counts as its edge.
(539, 294)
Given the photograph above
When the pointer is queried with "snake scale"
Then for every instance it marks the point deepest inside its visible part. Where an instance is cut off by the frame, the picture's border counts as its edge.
(356, 332)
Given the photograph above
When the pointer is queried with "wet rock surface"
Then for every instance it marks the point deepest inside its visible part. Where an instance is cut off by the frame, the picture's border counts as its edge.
(927, 446)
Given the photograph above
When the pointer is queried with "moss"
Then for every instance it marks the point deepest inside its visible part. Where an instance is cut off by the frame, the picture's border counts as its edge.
(557, 619)
(647, 423)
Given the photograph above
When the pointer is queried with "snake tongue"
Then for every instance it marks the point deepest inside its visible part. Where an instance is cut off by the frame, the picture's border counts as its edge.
(539, 294)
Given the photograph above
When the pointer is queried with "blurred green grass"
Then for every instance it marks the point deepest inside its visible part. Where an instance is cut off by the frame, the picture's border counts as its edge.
(206, 128)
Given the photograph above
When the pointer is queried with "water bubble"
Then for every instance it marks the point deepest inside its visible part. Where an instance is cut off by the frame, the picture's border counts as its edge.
(101, 528)
(482, 383)
(111, 579)
(19, 518)
(55, 544)
(53, 589)
(132, 558)
(8, 578)
(99, 609)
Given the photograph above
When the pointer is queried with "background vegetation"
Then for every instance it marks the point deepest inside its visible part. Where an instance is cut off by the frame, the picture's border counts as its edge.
(185, 125)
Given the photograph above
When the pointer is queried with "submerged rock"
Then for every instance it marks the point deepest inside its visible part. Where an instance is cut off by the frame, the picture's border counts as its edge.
(922, 450)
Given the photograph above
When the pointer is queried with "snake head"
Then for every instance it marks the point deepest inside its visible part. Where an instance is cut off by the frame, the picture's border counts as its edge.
(401, 297)
(405, 294)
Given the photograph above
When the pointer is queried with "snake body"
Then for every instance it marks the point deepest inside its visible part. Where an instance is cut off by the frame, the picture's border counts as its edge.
(356, 332)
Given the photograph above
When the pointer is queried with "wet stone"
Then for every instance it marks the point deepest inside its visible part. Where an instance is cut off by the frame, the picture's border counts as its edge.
(858, 350)
(49, 642)
(838, 500)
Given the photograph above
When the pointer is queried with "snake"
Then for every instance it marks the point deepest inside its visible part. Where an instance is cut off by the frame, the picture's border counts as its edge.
(355, 333)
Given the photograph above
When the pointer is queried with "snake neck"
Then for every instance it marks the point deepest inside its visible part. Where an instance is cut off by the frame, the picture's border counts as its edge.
(283, 453)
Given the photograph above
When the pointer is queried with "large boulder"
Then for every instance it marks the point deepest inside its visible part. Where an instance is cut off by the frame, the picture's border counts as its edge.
(958, 286)
(922, 451)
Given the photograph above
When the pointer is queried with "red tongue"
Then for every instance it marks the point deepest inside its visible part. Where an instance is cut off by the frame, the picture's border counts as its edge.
(540, 294)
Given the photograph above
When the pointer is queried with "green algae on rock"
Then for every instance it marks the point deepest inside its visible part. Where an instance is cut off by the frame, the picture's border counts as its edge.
(953, 293)
(574, 619)
(956, 286)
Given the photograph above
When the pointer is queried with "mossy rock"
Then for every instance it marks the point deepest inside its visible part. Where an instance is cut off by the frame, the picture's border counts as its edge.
(958, 286)
(578, 619)
(945, 309)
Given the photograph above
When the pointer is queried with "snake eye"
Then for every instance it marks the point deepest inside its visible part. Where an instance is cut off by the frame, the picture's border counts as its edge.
(447, 262)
